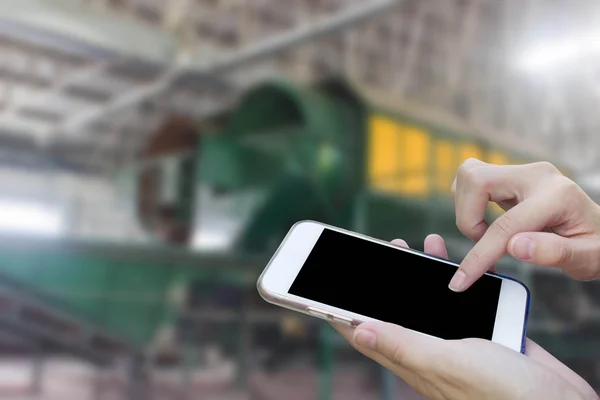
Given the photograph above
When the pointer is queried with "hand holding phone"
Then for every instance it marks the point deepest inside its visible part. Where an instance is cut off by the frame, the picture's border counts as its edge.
(349, 279)
(468, 368)
(455, 369)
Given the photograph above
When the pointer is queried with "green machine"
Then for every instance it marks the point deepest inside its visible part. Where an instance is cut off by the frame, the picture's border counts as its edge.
(311, 152)
(322, 153)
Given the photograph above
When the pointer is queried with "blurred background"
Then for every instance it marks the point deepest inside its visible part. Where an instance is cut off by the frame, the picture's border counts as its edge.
(153, 153)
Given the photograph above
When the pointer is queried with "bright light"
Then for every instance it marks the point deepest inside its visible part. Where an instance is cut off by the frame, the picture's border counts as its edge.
(30, 217)
(553, 55)
(211, 241)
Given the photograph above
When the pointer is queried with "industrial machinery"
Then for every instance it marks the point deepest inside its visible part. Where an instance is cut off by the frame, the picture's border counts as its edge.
(284, 154)
(322, 152)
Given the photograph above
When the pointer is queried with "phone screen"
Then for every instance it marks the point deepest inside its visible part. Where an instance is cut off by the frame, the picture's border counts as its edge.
(394, 286)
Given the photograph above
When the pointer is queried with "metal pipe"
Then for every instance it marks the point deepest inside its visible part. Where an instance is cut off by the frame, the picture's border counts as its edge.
(301, 35)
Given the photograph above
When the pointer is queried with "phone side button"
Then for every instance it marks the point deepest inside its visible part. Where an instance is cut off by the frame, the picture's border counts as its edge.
(341, 320)
(316, 312)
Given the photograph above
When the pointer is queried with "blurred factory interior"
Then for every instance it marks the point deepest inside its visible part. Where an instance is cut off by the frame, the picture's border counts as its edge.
(154, 152)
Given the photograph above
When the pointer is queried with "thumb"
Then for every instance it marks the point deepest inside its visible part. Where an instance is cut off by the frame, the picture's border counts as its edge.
(401, 346)
(578, 257)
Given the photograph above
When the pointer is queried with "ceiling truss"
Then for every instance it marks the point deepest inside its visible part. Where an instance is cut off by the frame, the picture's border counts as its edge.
(95, 105)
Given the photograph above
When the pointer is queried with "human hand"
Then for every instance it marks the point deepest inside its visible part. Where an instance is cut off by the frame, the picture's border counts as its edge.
(549, 220)
(468, 369)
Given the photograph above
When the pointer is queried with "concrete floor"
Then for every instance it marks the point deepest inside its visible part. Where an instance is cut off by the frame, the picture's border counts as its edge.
(68, 379)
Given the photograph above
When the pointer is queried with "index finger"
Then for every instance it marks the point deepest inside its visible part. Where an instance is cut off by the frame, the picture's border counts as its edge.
(531, 215)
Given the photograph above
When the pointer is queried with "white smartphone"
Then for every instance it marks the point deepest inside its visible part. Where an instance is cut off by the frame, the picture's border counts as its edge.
(348, 278)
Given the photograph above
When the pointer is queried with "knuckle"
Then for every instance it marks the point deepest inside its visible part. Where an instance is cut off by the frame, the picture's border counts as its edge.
(565, 198)
(462, 172)
(473, 258)
(461, 223)
(472, 161)
(569, 196)
(466, 173)
(474, 178)
(504, 225)
(546, 167)
(568, 188)
(398, 355)
(565, 255)
(468, 165)
(467, 227)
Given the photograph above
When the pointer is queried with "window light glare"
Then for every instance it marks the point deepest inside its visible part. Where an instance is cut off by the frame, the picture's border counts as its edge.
(30, 218)
(556, 54)
(211, 241)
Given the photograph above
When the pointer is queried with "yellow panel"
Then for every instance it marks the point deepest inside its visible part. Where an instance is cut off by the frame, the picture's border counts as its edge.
(495, 209)
(445, 165)
(398, 157)
(383, 147)
(415, 152)
(469, 150)
(495, 157)
(416, 148)
(384, 150)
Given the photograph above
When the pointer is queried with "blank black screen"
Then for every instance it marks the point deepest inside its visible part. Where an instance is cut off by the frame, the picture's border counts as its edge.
(396, 286)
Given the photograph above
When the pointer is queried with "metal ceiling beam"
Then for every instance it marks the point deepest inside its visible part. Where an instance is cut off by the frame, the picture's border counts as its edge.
(73, 27)
(407, 66)
(455, 72)
(285, 41)
(38, 129)
(263, 49)
(20, 151)
(68, 25)
(175, 13)
(56, 87)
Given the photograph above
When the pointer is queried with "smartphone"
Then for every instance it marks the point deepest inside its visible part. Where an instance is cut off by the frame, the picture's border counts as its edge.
(348, 278)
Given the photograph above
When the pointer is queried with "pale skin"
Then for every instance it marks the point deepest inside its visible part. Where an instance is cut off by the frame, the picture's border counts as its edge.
(549, 221)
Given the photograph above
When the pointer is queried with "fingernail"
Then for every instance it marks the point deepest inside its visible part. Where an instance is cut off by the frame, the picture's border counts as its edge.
(458, 280)
(365, 338)
(522, 247)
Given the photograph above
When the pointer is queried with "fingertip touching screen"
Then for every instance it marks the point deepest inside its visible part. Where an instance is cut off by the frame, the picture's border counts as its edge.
(395, 286)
